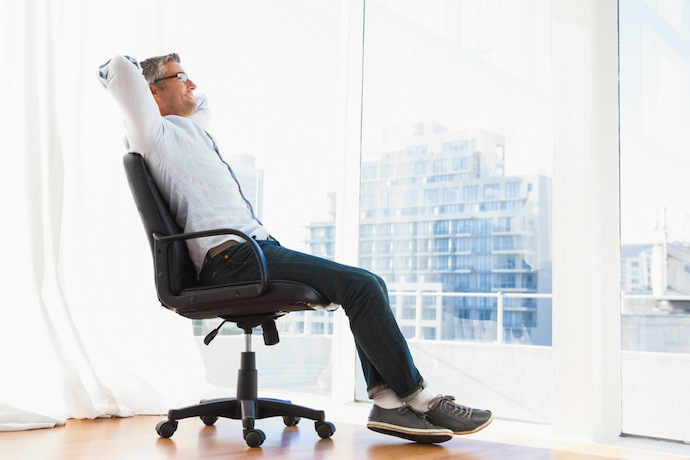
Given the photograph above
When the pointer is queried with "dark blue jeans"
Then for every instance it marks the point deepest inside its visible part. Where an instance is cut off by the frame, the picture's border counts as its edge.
(386, 359)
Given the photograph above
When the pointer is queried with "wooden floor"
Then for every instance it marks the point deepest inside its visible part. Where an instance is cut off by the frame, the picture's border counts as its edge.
(135, 438)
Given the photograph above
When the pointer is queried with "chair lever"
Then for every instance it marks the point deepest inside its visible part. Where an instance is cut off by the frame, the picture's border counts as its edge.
(212, 335)
(270, 332)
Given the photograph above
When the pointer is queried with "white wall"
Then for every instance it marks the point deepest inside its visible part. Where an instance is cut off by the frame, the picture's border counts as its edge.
(648, 374)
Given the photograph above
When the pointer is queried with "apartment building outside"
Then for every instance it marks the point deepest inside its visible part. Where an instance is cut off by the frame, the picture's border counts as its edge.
(438, 215)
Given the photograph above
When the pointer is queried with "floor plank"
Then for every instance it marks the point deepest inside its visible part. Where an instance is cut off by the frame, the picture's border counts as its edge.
(135, 438)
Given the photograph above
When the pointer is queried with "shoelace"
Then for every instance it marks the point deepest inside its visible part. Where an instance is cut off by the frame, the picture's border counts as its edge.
(446, 404)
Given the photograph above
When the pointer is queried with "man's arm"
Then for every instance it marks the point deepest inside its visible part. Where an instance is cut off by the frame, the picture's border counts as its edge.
(122, 78)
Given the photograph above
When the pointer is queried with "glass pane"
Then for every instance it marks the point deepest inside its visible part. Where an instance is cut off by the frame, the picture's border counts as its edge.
(275, 97)
(654, 48)
(455, 191)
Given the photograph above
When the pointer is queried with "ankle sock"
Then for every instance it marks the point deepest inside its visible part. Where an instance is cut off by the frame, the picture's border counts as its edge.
(387, 399)
(420, 403)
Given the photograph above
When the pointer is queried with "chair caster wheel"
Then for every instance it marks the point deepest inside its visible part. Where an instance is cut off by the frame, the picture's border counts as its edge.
(291, 420)
(324, 429)
(166, 428)
(209, 420)
(253, 437)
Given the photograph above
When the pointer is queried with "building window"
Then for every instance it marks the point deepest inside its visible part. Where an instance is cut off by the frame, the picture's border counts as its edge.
(431, 196)
(505, 224)
(470, 193)
(513, 189)
(369, 172)
(492, 191)
(484, 226)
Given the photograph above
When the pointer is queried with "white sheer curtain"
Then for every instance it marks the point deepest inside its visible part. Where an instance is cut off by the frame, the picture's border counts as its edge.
(81, 332)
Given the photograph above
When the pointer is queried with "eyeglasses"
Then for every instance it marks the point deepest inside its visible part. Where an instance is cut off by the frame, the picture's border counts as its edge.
(183, 76)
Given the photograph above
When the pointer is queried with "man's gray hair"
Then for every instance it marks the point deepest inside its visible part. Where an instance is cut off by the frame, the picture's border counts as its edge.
(154, 68)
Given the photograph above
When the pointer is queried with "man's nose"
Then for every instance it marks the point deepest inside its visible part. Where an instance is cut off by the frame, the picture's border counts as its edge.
(190, 84)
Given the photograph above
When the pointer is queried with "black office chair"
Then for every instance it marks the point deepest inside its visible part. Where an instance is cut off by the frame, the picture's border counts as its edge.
(249, 305)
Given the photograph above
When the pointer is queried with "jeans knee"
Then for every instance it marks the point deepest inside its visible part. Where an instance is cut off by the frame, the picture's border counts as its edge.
(381, 284)
(380, 280)
(373, 285)
(370, 280)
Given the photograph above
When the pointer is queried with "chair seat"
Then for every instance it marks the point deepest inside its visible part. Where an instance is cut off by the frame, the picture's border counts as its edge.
(281, 297)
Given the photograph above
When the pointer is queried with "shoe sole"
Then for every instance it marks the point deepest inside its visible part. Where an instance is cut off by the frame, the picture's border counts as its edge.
(420, 436)
(479, 428)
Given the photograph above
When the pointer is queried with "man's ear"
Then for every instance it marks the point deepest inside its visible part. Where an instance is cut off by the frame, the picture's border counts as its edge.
(155, 90)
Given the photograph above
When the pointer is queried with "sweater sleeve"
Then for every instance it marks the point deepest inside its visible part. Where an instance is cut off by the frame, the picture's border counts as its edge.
(122, 78)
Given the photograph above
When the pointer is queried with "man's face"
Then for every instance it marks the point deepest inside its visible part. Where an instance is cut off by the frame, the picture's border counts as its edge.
(177, 98)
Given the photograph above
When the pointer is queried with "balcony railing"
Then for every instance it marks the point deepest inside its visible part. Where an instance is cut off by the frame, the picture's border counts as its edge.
(648, 323)
(419, 295)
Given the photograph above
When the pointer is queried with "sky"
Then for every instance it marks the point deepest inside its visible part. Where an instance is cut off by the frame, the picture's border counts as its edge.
(654, 115)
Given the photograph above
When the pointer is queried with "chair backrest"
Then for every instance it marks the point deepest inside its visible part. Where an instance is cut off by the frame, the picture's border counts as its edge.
(155, 216)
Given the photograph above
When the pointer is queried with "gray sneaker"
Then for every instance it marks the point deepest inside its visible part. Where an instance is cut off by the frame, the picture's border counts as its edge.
(406, 423)
(459, 419)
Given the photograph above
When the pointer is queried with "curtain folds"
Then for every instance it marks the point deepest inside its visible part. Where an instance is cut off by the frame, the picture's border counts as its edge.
(81, 332)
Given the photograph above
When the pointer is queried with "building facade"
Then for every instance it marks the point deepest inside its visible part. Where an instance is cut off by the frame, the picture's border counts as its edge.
(439, 217)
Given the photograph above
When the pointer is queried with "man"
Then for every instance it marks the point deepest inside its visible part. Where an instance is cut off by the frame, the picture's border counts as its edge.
(166, 123)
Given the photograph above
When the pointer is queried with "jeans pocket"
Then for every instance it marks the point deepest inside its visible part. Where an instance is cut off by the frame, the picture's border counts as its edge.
(228, 266)
(231, 255)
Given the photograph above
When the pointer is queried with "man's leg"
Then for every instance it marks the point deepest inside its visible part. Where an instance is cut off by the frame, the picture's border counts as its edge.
(385, 356)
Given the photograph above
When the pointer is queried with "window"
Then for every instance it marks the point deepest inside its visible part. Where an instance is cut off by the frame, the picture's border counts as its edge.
(464, 226)
(450, 195)
(484, 226)
(470, 193)
(513, 189)
(492, 191)
(386, 171)
(369, 172)
(654, 112)
(463, 244)
(505, 224)
(442, 227)
(421, 167)
(431, 196)
(450, 58)
(439, 166)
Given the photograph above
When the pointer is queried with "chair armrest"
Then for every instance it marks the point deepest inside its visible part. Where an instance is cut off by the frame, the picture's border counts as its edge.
(162, 242)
